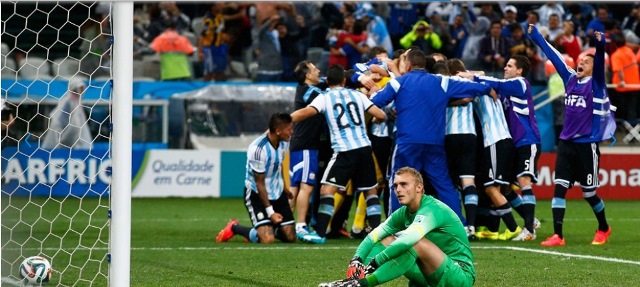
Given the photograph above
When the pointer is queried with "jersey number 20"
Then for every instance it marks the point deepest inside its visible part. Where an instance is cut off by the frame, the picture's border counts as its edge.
(351, 111)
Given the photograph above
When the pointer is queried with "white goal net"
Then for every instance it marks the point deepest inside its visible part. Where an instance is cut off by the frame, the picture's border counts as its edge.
(56, 115)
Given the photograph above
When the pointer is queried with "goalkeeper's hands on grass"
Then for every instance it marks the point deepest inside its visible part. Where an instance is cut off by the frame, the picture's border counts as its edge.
(355, 269)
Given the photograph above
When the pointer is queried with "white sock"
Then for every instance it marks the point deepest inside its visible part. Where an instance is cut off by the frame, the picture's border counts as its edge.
(300, 225)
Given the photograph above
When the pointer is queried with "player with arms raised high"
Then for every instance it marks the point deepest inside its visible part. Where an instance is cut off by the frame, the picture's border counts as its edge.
(423, 240)
(587, 121)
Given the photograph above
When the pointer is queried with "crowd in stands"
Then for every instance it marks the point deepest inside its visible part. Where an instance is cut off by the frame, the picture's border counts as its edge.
(262, 42)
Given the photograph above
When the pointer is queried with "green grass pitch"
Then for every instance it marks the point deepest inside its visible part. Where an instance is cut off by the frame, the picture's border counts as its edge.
(173, 244)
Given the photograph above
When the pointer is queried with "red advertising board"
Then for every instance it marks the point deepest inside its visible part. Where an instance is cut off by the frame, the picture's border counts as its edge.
(619, 177)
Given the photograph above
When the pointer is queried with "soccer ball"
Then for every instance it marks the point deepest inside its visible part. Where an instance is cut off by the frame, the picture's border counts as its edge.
(35, 270)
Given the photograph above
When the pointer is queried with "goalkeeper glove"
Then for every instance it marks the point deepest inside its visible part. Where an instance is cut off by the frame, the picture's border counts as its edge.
(369, 269)
(355, 269)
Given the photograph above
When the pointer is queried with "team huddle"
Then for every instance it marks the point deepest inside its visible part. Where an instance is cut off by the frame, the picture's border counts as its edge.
(413, 132)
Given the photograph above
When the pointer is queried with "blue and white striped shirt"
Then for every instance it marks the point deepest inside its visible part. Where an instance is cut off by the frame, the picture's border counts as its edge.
(384, 129)
(460, 120)
(344, 111)
(262, 157)
(494, 124)
(519, 108)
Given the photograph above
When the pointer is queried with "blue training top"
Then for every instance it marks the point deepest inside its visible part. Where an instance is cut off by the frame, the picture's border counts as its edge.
(421, 100)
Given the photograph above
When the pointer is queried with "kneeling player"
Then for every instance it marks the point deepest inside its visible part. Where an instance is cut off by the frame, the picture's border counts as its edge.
(266, 197)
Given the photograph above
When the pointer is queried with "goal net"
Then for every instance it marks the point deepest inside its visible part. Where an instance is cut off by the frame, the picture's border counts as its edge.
(56, 166)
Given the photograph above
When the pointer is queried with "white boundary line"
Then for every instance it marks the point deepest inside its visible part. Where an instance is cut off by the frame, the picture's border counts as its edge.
(258, 247)
(601, 258)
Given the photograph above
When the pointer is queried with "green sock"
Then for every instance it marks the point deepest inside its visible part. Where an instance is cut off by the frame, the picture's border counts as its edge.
(375, 250)
(393, 269)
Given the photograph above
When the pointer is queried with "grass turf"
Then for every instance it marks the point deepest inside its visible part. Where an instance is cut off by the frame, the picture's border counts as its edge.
(173, 244)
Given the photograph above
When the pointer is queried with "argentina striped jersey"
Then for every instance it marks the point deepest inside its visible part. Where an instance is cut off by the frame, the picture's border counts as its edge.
(494, 124)
(519, 108)
(344, 110)
(386, 128)
(460, 120)
(263, 158)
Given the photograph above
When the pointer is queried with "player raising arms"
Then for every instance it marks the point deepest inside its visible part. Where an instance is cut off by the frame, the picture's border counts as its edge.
(430, 246)
(587, 121)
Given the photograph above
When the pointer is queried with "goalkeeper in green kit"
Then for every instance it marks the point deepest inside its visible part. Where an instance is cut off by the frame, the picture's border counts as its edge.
(424, 240)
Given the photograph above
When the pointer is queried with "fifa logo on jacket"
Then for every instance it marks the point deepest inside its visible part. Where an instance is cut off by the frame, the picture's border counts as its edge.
(575, 101)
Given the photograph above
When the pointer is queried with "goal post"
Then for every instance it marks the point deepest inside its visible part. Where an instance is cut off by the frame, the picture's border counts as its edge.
(66, 189)
(120, 242)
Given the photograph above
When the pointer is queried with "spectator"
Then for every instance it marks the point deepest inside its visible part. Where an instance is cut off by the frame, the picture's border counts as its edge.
(171, 12)
(238, 31)
(532, 18)
(472, 49)
(441, 28)
(376, 26)
(212, 46)
(572, 44)
(580, 15)
(460, 33)
(486, 10)
(422, 36)
(68, 124)
(521, 45)
(173, 49)
(289, 48)
(597, 24)
(156, 22)
(624, 67)
(510, 14)
(350, 43)
(555, 29)
(545, 11)
(400, 18)
(494, 50)
(268, 52)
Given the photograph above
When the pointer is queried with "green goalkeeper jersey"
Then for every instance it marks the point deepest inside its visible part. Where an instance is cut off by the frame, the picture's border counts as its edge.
(434, 220)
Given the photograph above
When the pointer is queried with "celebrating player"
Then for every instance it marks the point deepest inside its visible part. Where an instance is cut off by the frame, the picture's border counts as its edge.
(515, 93)
(587, 121)
(352, 159)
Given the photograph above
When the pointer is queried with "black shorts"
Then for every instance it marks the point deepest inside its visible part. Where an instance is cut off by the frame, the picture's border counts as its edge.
(356, 165)
(578, 162)
(527, 161)
(258, 214)
(461, 155)
(497, 167)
